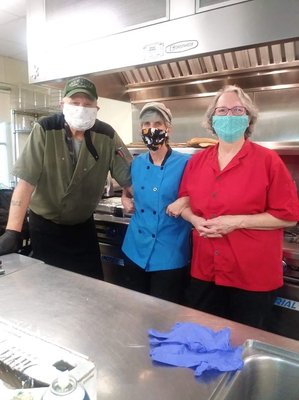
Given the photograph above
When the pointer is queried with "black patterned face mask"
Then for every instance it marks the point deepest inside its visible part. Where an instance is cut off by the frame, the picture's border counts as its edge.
(153, 138)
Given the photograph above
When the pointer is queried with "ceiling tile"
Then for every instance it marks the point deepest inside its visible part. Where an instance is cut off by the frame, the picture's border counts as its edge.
(14, 31)
(10, 48)
(6, 17)
(16, 7)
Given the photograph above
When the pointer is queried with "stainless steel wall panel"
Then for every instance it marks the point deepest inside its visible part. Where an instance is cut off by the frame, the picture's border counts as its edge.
(278, 119)
(278, 115)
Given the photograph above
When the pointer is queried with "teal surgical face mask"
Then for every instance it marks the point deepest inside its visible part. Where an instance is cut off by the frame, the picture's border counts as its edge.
(230, 128)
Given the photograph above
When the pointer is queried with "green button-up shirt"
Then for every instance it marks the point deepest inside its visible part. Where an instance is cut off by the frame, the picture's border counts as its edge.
(66, 193)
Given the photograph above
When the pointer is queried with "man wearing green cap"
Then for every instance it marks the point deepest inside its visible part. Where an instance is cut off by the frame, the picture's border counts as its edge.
(62, 172)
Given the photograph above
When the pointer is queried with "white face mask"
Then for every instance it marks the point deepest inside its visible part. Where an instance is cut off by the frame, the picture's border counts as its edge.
(80, 118)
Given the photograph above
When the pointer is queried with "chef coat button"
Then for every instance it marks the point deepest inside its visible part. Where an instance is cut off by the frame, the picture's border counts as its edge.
(153, 235)
(147, 167)
(154, 212)
(142, 187)
(217, 253)
(62, 158)
(142, 211)
(155, 189)
(139, 230)
(162, 167)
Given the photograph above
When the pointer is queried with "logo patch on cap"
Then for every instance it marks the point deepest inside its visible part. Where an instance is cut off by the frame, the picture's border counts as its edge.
(80, 85)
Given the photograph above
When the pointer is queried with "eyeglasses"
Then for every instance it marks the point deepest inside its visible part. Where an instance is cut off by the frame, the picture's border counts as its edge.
(238, 110)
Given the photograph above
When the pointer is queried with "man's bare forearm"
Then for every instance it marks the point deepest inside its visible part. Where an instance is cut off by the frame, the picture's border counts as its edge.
(19, 205)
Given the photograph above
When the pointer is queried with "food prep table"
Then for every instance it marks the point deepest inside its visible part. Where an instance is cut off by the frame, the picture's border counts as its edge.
(109, 324)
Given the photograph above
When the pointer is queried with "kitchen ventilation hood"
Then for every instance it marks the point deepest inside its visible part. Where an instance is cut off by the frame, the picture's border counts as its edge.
(271, 66)
(252, 43)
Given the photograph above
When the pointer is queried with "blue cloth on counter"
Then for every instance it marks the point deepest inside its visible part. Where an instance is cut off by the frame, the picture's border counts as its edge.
(191, 345)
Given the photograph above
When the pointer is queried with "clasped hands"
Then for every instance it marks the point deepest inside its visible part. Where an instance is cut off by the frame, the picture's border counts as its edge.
(215, 227)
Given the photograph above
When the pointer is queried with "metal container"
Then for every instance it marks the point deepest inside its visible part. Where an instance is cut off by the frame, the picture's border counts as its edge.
(111, 206)
(67, 388)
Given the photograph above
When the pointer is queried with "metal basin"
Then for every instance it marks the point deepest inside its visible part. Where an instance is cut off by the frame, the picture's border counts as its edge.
(269, 373)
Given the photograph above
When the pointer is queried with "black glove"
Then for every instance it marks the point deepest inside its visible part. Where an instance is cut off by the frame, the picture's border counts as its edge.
(10, 242)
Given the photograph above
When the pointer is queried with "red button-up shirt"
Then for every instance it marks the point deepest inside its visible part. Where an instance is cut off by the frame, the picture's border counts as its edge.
(255, 181)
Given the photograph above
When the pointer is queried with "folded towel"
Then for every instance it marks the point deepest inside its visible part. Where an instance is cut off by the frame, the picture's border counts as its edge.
(194, 346)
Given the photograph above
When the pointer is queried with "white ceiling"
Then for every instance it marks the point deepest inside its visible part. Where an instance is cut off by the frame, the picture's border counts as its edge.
(13, 29)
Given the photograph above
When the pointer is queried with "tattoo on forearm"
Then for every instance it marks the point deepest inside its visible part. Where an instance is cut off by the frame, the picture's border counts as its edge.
(16, 203)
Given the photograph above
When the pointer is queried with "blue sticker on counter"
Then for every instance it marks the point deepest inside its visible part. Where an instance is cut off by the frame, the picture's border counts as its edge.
(113, 260)
(287, 303)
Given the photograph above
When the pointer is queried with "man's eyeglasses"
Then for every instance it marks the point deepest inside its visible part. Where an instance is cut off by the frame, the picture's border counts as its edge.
(238, 110)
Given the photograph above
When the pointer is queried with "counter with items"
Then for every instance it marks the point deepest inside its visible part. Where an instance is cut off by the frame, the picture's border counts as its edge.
(109, 324)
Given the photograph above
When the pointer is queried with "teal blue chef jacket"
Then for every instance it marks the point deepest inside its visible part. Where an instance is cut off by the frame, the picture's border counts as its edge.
(153, 240)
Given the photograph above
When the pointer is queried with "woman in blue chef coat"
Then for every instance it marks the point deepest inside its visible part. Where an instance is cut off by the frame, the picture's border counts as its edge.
(157, 244)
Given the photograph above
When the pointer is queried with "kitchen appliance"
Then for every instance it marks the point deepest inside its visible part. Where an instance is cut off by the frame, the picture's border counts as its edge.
(111, 225)
(286, 309)
(31, 362)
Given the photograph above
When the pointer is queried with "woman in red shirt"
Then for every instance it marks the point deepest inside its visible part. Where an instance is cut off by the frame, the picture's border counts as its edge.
(240, 198)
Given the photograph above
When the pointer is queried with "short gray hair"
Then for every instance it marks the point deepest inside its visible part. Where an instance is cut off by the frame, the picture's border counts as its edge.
(252, 111)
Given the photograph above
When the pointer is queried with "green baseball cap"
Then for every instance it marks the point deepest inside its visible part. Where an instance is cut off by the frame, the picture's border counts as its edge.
(80, 85)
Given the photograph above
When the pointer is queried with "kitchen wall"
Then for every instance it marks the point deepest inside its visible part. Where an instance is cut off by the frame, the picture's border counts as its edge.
(292, 163)
(12, 72)
(5, 140)
(278, 118)
(119, 115)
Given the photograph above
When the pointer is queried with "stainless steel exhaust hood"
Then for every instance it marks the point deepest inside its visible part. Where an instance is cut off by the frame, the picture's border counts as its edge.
(187, 51)
(271, 66)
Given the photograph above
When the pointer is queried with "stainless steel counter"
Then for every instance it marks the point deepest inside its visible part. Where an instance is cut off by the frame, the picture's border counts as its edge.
(16, 262)
(109, 324)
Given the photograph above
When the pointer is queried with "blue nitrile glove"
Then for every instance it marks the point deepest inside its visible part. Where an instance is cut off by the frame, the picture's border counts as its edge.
(194, 346)
(180, 356)
(223, 361)
(195, 336)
